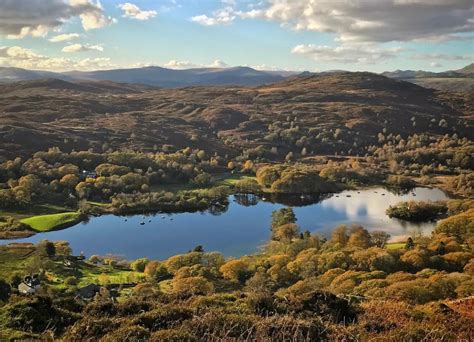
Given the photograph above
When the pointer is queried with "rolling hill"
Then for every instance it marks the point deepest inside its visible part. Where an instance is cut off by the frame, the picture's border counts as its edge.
(326, 113)
(461, 80)
(155, 76)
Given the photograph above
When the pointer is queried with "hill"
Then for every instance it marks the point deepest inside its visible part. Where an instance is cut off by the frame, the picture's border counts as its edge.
(324, 113)
(461, 80)
(155, 76)
(469, 69)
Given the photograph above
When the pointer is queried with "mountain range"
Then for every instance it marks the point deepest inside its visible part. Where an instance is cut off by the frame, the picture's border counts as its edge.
(456, 80)
(155, 76)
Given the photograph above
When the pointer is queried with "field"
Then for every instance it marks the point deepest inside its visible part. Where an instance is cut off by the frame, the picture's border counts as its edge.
(45, 223)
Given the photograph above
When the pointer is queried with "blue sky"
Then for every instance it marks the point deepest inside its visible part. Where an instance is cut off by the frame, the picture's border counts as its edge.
(274, 34)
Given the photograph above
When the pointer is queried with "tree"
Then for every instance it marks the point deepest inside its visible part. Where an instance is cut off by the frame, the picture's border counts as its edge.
(339, 235)
(155, 270)
(139, 264)
(283, 216)
(409, 244)
(198, 249)
(379, 238)
(202, 179)
(248, 165)
(191, 286)
(69, 181)
(5, 290)
(235, 270)
(46, 248)
(359, 237)
(285, 233)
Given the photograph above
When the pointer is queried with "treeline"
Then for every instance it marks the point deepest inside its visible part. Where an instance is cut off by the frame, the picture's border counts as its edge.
(55, 176)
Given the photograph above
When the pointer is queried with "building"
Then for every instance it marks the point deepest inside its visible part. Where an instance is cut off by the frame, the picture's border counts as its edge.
(29, 285)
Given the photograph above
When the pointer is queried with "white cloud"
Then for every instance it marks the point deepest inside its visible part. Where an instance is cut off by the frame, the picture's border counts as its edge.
(435, 65)
(442, 56)
(363, 20)
(21, 18)
(19, 57)
(222, 16)
(18, 52)
(95, 64)
(64, 37)
(82, 48)
(218, 64)
(358, 54)
(174, 64)
(92, 16)
(134, 12)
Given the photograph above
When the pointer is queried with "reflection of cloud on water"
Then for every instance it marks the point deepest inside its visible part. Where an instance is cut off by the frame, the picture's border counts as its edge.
(368, 208)
(360, 206)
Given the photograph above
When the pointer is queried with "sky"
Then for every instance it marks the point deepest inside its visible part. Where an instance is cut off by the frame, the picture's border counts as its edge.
(296, 35)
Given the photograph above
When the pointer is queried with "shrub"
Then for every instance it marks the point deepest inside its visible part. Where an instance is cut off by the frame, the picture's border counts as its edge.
(163, 317)
(70, 281)
(172, 335)
(131, 333)
(139, 264)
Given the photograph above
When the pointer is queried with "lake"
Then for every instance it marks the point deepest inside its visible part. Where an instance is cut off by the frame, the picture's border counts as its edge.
(239, 229)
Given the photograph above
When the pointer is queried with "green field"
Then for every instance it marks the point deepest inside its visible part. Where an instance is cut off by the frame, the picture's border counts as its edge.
(395, 245)
(44, 223)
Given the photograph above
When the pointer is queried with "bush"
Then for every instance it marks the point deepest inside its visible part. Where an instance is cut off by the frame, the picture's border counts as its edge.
(139, 264)
(165, 316)
(133, 333)
(172, 335)
(71, 281)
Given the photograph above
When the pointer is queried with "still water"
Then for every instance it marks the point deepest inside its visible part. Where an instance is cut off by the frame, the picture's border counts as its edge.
(239, 229)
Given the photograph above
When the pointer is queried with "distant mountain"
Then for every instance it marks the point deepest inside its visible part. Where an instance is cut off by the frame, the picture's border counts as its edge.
(469, 69)
(461, 80)
(17, 74)
(155, 76)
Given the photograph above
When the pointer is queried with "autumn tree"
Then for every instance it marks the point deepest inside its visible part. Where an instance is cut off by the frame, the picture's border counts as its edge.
(235, 270)
(379, 238)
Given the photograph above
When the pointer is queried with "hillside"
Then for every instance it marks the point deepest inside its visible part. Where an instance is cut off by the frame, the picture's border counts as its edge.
(325, 113)
(461, 80)
(155, 76)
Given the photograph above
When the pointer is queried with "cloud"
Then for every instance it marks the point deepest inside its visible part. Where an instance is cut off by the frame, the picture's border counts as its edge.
(132, 11)
(218, 64)
(356, 54)
(222, 16)
(174, 64)
(64, 37)
(92, 14)
(95, 63)
(435, 65)
(21, 18)
(82, 48)
(19, 57)
(18, 52)
(363, 20)
(442, 56)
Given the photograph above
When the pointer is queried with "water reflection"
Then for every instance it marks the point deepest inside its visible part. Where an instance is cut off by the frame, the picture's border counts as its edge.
(246, 200)
(296, 200)
(237, 228)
